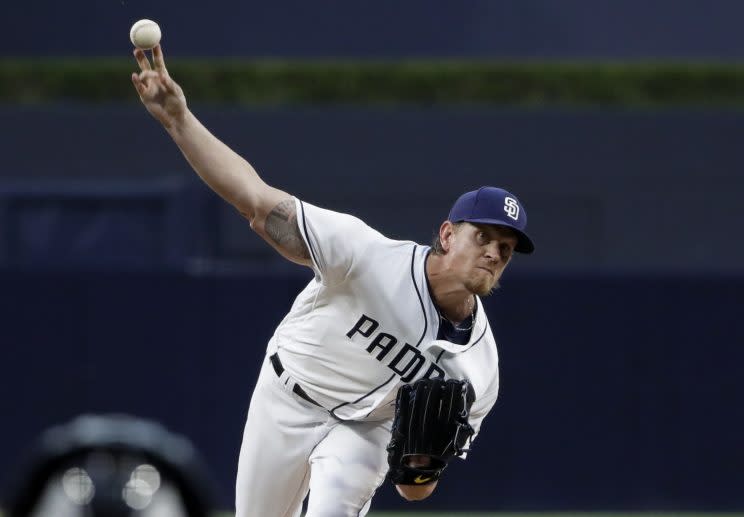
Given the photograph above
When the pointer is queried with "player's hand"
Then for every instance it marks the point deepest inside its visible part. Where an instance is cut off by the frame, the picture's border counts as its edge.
(160, 94)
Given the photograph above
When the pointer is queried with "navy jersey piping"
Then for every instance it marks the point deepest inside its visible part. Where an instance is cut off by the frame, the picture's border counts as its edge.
(471, 346)
(485, 328)
(421, 339)
(333, 411)
(418, 293)
(307, 236)
(431, 298)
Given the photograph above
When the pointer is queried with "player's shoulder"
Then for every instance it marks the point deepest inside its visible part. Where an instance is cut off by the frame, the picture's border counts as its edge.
(352, 225)
(385, 251)
(311, 212)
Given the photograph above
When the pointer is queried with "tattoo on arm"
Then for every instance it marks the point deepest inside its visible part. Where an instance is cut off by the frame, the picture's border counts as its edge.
(281, 226)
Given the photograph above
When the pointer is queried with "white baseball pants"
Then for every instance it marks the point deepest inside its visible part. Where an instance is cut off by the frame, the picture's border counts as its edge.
(291, 446)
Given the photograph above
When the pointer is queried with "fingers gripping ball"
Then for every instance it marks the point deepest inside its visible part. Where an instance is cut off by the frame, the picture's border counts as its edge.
(431, 422)
(145, 34)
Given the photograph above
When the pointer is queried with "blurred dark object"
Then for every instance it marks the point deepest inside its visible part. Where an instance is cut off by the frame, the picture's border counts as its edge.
(112, 466)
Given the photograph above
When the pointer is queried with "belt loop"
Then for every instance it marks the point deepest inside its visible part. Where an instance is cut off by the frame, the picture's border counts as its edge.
(296, 388)
(276, 364)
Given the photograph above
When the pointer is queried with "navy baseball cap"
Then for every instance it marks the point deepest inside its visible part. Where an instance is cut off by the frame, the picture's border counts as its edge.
(491, 205)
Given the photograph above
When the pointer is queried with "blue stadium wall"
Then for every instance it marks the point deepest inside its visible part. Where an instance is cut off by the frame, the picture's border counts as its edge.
(619, 392)
(604, 189)
(631, 29)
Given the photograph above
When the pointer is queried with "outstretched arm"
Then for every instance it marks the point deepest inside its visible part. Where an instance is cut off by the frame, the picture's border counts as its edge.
(271, 212)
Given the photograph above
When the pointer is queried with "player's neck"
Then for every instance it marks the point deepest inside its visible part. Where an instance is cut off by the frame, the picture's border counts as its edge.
(453, 300)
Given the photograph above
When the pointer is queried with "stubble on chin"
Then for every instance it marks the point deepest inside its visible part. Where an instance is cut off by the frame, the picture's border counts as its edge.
(483, 288)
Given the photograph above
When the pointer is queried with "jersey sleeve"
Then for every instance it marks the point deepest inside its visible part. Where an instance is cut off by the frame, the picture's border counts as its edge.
(336, 241)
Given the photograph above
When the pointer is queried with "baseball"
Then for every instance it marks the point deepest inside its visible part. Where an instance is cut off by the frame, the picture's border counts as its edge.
(145, 34)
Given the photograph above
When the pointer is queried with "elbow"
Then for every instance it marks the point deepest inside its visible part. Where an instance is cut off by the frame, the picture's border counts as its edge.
(253, 222)
(254, 215)
(245, 207)
(256, 207)
(251, 204)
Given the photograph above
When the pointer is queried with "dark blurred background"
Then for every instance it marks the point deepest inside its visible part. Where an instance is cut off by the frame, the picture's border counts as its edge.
(127, 286)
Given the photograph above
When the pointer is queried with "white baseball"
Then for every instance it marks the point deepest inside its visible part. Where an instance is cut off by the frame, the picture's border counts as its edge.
(145, 34)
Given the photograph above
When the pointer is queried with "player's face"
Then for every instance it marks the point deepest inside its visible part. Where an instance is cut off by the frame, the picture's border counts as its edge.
(480, 252)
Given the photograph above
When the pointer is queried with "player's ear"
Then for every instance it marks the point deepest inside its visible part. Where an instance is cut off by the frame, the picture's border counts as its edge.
(446, 233)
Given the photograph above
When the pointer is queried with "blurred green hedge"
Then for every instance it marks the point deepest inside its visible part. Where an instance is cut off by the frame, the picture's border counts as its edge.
(406, 82)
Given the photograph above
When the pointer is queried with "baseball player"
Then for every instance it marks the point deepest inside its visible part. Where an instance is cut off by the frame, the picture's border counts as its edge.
(378, 315)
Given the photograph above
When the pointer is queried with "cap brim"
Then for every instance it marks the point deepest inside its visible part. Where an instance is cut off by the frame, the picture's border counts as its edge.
(524, 243)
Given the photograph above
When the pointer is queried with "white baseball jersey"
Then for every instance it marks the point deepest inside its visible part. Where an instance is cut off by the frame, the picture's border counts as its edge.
(321, 412)
(367, 323)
